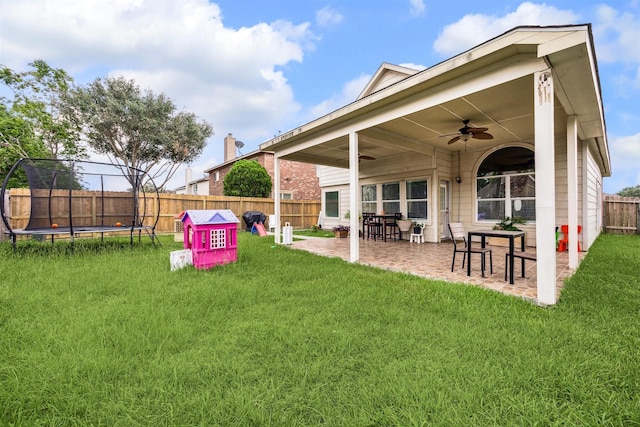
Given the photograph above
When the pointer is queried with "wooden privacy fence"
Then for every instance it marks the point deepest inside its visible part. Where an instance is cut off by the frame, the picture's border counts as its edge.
(622, 215)
(299, 213)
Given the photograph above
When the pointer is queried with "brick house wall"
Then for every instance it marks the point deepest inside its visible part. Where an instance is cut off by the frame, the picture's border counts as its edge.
(300, 180)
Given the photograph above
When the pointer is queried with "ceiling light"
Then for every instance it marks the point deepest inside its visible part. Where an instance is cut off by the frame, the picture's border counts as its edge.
(465, 137)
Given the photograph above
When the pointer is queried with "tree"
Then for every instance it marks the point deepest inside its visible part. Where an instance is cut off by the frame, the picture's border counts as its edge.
(247, 178)
(630, 191)
(18, 141)
(137, 128)
(33, 117)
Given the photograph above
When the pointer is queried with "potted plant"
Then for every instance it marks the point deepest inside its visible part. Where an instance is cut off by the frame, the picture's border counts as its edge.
(405, 224)
(509, 224)
(418, 227)
(341, 230)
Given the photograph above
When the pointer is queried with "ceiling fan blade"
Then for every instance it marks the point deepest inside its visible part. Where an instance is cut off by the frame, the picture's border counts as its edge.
(482, 135)
(452, 140)
(365, 157)
(477, 130)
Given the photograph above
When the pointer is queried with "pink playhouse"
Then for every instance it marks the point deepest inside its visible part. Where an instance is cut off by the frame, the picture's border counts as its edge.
(211, 235)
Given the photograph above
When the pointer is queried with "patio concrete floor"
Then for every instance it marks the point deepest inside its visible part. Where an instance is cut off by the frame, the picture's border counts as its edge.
(433, 261)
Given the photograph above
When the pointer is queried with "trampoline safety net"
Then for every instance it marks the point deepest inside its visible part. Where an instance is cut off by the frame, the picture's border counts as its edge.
(83, 196)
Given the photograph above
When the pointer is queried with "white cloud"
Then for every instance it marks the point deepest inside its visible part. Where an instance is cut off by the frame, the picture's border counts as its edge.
(413, 66)
(229, 77)
(347, 95)
(474, 29)
(417, 7)
(327, 16)
(625, 157)
(617, 36)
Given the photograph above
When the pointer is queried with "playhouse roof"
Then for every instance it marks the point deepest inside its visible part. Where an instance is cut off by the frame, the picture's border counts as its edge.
(212, 216)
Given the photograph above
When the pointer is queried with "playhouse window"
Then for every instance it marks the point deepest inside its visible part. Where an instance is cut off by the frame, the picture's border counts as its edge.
(218, 239)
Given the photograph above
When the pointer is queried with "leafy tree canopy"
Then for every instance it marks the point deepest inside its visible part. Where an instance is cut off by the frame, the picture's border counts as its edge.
(137, 128)
(18, 141)
(630, 191)
(247, 178)
(33, 114)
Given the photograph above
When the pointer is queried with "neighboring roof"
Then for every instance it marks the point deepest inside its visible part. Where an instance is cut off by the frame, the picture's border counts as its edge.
(208, 217)
(250, 155)
(196, 181)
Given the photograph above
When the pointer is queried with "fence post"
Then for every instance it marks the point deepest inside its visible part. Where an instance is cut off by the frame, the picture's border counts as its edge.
(94, 210)
(638, 218)
(303, 206)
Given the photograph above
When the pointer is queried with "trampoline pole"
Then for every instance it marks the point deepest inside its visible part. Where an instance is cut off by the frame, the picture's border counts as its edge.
(71, 178)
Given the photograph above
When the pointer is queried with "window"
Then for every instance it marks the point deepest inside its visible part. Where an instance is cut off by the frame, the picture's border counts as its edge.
(505, 185)
(217, 175)
(331, 207)
(218, 239)
(369, 198)
(391, 198)
(286, 196)
(417, 199)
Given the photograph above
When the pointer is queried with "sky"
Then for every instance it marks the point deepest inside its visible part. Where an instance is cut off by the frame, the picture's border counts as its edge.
(256, 68)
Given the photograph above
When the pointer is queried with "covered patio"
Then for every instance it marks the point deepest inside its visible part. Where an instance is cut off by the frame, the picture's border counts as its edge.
(512, 127)
(433, 261)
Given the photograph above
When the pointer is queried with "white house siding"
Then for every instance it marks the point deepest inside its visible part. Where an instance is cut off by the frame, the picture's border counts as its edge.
(195, 187)
(402, 167)
(334, 179)
(201, 187)
(328, 176)
(586, 202)
(593, 202)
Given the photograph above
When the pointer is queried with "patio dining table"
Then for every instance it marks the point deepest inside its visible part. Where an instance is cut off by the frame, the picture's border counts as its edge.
(507, 234)
(381, 219)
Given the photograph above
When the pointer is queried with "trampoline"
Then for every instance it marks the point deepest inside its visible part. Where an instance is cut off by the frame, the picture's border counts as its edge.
(74, 197)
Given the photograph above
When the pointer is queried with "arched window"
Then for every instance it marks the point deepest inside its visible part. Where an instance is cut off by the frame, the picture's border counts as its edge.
(505, 185)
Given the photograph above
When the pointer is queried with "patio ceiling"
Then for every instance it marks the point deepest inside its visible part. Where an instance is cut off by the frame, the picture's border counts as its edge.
(506, 108)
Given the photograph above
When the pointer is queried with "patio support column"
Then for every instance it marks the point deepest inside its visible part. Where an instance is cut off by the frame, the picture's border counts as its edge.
(354, 222)
(435, 206)
(276, 195)
(572, 189)
(545, 186)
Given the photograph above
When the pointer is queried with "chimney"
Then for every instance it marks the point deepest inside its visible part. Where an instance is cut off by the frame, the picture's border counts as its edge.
(229, 148)
(187, 181)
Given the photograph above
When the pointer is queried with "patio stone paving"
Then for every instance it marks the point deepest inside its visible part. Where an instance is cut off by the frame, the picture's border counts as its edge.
(433, 261)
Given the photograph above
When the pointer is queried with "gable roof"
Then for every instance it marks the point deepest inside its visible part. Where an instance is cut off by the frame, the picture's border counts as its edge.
(386, 75)
(210, 217)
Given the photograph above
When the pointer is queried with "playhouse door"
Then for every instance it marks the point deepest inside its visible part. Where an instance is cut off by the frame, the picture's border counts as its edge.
(189, 241)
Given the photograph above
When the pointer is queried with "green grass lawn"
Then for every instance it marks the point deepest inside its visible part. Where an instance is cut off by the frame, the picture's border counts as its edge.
(318, 232)
(109, 336)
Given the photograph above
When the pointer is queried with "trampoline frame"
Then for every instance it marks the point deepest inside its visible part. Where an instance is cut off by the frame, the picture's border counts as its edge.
(138, 196)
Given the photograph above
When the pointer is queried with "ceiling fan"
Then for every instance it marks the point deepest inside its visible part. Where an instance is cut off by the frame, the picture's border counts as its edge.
(467, 132)
(365, 157)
